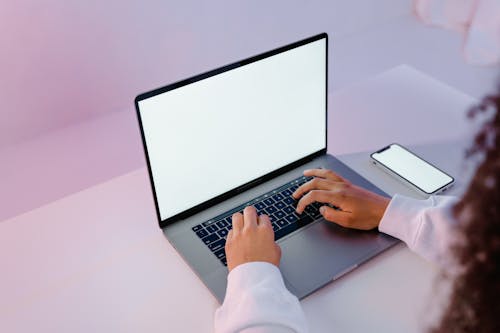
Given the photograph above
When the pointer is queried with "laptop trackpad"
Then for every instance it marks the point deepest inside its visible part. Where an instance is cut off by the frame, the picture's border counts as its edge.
(313, 257)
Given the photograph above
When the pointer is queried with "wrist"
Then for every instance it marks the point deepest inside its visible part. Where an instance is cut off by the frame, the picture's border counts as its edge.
(231, 266)
(381, 207)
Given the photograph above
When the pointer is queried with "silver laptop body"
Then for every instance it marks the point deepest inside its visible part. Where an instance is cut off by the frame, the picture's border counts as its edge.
(240, 134)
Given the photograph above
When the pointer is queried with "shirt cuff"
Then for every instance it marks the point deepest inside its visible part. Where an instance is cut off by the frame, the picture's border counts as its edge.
(251, 273)
(256, 297)
(400, 220)
(426, 226)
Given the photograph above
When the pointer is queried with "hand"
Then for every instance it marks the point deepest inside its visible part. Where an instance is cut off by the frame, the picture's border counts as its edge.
(358, 208)
(251, 239)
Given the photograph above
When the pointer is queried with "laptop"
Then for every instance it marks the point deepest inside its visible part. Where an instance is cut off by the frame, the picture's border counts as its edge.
(240, 135)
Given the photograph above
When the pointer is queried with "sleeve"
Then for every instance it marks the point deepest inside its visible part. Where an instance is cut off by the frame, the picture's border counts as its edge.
(257, 301)
(426, 226)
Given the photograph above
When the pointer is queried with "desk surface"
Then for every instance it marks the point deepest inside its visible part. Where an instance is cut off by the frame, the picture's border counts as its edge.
(96, 260)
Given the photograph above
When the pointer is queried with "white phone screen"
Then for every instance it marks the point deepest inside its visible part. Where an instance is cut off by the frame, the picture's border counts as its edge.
(412, 168)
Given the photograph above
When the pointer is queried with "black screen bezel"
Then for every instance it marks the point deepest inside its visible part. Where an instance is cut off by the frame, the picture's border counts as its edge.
(250, 184)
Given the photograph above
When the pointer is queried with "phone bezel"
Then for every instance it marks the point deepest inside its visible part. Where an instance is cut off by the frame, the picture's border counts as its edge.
(394, 173)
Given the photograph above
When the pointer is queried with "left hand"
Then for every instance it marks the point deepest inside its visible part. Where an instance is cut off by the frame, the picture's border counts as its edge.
(251, 239)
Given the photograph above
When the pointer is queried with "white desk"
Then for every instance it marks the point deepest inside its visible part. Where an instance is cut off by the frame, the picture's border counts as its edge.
(96, 260)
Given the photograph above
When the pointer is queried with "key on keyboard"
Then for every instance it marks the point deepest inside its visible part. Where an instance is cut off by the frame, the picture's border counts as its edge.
(278, 204)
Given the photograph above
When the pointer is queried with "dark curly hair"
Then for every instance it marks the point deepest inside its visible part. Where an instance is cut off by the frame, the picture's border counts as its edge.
(474, 304)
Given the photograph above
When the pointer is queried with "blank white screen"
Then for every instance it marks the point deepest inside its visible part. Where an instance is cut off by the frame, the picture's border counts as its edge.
(413, 169)
(211, 136)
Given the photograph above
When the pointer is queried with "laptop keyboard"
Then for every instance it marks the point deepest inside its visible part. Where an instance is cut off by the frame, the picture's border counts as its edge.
(278, 204)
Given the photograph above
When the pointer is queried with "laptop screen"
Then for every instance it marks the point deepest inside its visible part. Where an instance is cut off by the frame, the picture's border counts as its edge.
(209, 135)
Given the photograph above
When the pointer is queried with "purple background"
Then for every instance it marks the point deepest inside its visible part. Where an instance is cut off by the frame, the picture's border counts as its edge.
(71, 69)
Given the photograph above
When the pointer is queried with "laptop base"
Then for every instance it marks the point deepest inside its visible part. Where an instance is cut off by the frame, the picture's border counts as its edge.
(311, 256)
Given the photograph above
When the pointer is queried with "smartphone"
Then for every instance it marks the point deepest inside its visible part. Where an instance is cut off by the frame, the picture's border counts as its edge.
(414, 170)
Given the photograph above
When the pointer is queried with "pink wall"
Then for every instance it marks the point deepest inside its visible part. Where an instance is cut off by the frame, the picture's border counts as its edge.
(64, 61)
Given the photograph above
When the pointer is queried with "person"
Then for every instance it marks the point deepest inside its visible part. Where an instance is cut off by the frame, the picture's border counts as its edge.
(461, 235)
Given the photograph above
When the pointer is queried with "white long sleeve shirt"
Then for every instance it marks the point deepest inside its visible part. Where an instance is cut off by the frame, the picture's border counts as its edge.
(257, 300)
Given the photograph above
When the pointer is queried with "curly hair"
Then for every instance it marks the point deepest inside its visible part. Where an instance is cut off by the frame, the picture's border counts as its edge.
(474, 304)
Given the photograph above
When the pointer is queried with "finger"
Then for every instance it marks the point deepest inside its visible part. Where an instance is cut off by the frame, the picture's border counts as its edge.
(314, 184)
(264, 221)
(279, 250)
(249, 217)
(324, 173)
(237, 220)
(332, 197)
(229, 236)
(337, 216)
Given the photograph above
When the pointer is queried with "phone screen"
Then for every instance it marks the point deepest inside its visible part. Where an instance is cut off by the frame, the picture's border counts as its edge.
(412, 168)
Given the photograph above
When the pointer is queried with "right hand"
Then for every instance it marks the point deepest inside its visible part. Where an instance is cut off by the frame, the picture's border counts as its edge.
(358, 208)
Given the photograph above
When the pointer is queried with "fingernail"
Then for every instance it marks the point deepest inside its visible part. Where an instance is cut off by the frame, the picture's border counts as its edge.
(322, 209)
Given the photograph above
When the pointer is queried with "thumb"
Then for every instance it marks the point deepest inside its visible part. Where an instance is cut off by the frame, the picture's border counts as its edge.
(334, 215)
(278, 251)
